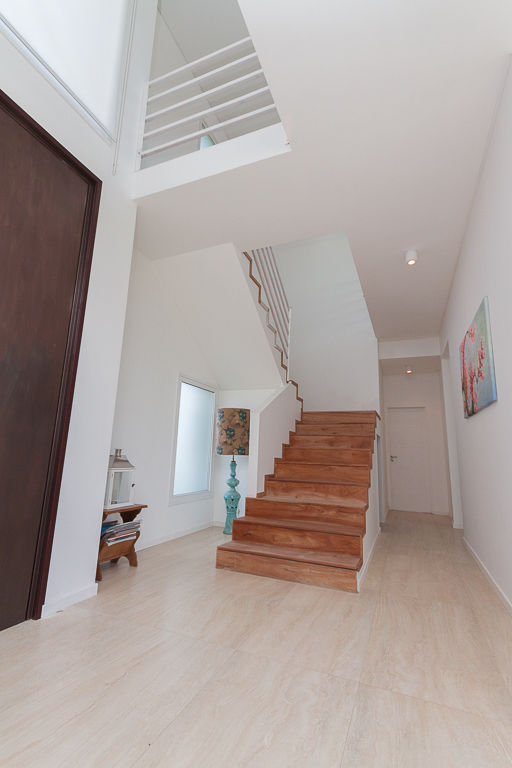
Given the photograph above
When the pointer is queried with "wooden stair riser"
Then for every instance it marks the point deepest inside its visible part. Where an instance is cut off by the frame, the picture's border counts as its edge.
(309, 523)
(280, 510)
(344, 456)
(364, 442)
(322, 473)
(315, 491)
(339, 417)
(289, 570)
(302, 539)
(335, 429)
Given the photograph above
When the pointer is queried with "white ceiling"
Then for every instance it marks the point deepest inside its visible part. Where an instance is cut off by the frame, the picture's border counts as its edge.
(202, 26)
(396, 366)
(388, 107)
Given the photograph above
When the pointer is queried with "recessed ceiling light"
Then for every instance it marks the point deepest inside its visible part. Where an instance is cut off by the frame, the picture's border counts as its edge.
(411, 258)
(408, 370)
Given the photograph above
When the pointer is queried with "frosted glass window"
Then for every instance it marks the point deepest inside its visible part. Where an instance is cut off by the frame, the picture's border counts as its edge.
(82, 42)
(194, 440)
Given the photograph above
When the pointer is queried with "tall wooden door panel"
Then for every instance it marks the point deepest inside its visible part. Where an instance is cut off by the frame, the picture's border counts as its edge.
(48, 206)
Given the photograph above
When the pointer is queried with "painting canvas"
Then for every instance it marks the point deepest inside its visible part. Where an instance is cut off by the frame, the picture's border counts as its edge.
(477, 364)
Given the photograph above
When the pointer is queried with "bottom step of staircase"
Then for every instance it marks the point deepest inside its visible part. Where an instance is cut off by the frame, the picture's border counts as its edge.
(308, 566)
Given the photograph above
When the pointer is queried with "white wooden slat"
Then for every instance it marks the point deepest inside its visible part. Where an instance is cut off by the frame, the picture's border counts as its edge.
(265, 264)
(272, 290)
(265, 280)
(209, 111)
(281, 302)
(198, 79)
(281, 286)
(204, 94)
(204, 131)
(199, 61)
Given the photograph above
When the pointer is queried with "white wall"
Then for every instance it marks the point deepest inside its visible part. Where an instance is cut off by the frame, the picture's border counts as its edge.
(423, 390)
(484, 440)
(217, 307)
(333, 350)
(74, 554)
(276, 420)
(157, 349)
(192, 315)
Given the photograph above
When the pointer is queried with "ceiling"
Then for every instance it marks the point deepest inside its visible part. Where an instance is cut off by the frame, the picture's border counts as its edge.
(388, 108)
(202, 26)
(396, 366)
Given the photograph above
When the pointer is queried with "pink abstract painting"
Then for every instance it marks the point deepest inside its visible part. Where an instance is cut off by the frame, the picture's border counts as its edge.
(477, 364)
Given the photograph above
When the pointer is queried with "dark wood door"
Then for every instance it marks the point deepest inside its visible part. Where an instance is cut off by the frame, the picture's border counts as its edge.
(48, 210)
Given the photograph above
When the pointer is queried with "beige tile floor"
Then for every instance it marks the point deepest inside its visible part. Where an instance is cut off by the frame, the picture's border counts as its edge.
(176, 664)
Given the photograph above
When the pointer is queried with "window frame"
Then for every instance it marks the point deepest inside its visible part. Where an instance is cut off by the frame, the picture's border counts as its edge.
(110, 137)
(184, 498)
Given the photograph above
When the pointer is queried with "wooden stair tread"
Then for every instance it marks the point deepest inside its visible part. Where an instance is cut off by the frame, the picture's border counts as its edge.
(347, 503)
(320, 481)
(333, 559)
(303, 525)
(340, 457)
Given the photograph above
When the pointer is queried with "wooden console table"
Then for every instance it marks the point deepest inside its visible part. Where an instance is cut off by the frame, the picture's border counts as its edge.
(122, 548)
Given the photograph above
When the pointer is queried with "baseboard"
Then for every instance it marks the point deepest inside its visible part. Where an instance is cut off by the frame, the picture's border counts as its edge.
(49, 609)
(362, 572)
(504, 599)
(174, 535)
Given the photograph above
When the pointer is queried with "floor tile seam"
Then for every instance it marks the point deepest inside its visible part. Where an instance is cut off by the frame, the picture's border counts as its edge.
(356, 695)
(290, 659)
(129, 621)
(436, 703)
(427, 601)
(367, 643)
(185, 705)
(247, 634)
(486, 638)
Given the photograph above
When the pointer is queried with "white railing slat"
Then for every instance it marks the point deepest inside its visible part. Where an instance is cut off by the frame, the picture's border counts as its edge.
(204, 94)
(180, 116)
(279, 314)
(281, 286)
(268, 277)
(198, 79)
(209, 111)
(199, 61)
(204, 131)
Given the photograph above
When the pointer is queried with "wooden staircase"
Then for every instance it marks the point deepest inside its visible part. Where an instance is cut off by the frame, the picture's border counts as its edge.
(308, 524)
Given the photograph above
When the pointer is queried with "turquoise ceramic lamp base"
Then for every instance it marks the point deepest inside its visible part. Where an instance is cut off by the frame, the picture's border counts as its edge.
(231, 497)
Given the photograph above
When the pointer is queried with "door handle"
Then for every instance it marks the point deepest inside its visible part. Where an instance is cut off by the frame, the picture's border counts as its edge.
(393, 458)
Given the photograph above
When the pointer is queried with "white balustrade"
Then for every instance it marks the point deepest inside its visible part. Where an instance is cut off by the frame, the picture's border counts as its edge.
(221, 95)
(266, 271)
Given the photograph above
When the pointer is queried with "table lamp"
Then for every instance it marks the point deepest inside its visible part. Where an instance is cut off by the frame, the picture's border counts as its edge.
(232, 437)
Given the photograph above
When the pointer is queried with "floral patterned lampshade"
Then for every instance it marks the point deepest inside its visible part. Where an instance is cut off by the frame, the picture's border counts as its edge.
(233, 425)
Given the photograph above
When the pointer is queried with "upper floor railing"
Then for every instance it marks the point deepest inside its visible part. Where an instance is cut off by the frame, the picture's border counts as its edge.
(215, 98)
(274, 296)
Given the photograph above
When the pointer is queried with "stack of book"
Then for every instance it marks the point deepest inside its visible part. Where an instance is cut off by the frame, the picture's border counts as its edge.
(113, 533)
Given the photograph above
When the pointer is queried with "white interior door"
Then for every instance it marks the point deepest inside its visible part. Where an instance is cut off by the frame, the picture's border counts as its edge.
(408, 459)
